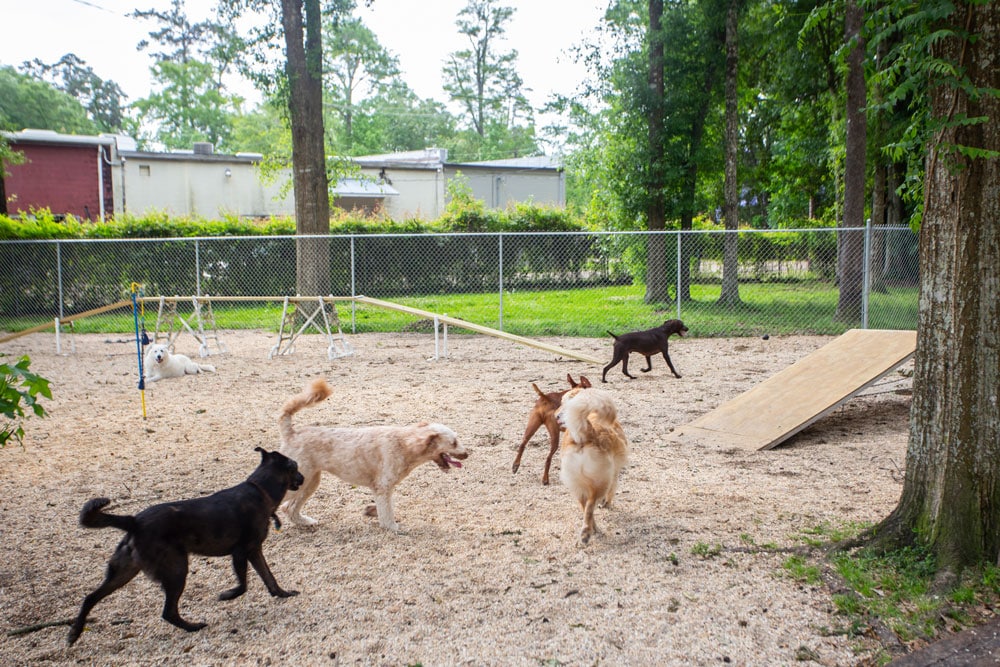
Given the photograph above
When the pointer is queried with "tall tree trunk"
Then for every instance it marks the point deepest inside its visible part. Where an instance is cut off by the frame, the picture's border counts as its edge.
(880, 212)
(880, 182)
(657, 289)
(304, 67)
(951, 491)
(851, 242)
(689, 184)
(730, 294)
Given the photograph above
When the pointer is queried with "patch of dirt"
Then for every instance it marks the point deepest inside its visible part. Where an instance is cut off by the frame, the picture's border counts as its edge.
(487, 569)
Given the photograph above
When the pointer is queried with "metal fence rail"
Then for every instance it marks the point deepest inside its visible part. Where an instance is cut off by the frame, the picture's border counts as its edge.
(787, 279)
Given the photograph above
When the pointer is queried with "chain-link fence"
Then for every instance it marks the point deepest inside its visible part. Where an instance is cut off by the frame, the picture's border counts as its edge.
(531, 284)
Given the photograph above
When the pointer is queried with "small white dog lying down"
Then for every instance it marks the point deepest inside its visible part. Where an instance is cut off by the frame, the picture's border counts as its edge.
(594, 450)
(160, 364)
(378, 457)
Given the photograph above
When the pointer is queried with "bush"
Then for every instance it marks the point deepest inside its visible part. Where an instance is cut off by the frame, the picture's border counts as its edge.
(19, 391)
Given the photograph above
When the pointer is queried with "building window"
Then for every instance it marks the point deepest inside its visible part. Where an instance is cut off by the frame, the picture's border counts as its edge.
(144, 170)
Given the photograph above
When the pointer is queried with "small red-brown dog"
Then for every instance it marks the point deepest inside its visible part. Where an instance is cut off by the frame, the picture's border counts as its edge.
(544, 412)
(594, 451)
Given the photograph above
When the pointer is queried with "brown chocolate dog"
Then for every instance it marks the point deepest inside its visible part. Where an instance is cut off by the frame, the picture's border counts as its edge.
(647, 343)
(544, 412)
(232, 522)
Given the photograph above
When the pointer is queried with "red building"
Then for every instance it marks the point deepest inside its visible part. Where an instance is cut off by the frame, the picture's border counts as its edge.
(66, 174)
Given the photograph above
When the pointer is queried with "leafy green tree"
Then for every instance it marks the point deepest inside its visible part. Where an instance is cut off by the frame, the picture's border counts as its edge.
(180, 40)
(102, 99)
(355, 67)
(790, 86)
(655, 146)
(26, 102)
(396, 119)
(190, 60)
(483, 79)
(188, 106)
(263, 130)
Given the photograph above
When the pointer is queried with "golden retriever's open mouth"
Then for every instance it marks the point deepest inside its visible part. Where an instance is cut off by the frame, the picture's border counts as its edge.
(446, 462)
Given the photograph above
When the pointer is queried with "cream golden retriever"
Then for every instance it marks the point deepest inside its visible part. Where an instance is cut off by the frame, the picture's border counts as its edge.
(594, 450)
(378, 457)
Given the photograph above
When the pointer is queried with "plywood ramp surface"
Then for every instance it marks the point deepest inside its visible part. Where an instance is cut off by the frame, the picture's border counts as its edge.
(784, 404)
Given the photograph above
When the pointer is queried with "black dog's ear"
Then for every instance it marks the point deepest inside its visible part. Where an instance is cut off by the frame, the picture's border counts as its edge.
(263, 452)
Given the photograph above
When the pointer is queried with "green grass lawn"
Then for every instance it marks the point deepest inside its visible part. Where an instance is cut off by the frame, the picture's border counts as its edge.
(766, 308)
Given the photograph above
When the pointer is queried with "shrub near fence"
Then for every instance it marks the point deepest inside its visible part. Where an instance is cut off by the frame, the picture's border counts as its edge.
(520, 282)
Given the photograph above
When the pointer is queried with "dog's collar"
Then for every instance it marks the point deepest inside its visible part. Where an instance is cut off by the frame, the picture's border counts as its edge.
(263, 492)
(267, 496)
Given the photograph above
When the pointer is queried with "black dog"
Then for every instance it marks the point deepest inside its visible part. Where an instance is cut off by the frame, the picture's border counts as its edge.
(646, 343)
(158, 540)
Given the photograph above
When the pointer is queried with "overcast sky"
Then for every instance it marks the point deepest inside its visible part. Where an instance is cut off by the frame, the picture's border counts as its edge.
(421, 33)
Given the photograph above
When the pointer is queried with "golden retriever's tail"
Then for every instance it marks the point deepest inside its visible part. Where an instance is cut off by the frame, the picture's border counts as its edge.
(317, 391)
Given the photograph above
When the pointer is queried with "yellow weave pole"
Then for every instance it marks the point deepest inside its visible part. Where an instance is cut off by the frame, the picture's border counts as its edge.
(138, 306)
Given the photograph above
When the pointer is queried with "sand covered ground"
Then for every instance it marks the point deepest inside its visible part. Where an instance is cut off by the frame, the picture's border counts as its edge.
(487, 570)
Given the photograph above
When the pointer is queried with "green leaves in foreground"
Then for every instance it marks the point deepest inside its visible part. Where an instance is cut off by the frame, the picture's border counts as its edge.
(19, 392)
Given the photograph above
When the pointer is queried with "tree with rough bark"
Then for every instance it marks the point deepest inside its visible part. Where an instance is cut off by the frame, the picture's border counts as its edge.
(950, 503)
(284, 58)
(302, 24)
(730, 293)
(657, 289)
(851, 240)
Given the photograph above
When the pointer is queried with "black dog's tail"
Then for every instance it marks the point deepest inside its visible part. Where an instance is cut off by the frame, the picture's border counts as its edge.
(91, 516)
(612, 335)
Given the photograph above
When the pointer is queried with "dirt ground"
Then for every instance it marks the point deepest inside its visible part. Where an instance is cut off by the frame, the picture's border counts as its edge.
(487, 570)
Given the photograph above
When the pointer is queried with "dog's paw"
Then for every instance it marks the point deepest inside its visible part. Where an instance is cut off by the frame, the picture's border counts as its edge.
(232, 593)
(303, 520)
(281, 593)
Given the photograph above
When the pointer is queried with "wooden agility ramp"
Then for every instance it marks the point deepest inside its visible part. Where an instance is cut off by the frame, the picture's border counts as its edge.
(784, 404)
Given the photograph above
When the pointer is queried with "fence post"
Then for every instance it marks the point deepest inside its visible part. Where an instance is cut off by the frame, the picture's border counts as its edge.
(500, 270)
(677, 292)
(59, 281)
(197, 268)
(354, 293)
(866, 280)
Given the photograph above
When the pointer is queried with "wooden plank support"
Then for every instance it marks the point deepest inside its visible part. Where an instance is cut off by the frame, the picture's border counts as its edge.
(67, 320)
(478, 328)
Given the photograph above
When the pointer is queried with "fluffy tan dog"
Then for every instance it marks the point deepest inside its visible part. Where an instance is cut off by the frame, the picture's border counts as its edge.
(378, 457)
(161, 364)
(594, 450)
